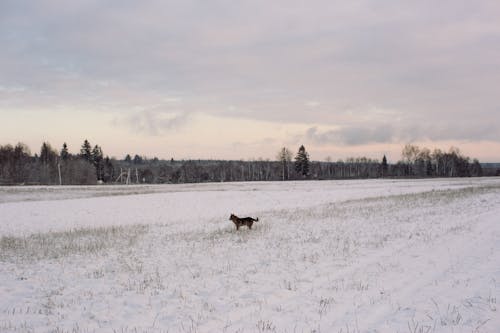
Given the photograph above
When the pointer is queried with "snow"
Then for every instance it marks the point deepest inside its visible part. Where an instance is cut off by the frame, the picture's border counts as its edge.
(325, 256)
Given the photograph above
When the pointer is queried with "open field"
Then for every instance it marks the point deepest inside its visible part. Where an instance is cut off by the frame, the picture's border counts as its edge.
(332, 256)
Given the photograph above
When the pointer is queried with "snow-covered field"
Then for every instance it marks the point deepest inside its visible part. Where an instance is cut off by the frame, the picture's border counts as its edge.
(330, 256)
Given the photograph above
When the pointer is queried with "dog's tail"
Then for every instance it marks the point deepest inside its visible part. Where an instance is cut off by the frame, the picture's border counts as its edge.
(256, 220)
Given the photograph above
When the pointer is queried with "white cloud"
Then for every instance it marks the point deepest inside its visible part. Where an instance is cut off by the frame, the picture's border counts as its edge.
(153, 122)
(312, 104)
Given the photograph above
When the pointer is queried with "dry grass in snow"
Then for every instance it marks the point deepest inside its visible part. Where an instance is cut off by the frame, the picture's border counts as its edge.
(400, 256)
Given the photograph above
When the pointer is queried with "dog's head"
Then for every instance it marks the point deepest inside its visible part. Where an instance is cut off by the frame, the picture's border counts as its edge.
(232, 216)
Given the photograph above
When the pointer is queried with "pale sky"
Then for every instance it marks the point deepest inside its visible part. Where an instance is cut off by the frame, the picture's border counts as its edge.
(240, 79)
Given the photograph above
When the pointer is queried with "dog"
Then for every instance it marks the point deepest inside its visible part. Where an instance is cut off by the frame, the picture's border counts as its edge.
(238, 222)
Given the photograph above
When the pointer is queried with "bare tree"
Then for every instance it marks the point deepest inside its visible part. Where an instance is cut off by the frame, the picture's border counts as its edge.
(285, 157)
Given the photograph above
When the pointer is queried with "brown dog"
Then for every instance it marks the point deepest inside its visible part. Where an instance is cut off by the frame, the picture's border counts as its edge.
(238, 222)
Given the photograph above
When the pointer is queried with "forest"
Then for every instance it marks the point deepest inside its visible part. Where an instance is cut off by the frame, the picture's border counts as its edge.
(18, 166)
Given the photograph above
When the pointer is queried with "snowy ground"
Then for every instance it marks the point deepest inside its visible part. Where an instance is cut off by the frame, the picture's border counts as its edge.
(331, 256)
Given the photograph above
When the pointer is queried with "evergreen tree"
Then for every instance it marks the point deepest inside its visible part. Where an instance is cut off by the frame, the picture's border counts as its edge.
(64, 152)
(86, 151)
(47, 170)
(47, 154)
(137, 159)
(302, 162)
(385, 166)
(97, 161)
(430, 168)
(108, 170)
(128, 159)
(97, 155)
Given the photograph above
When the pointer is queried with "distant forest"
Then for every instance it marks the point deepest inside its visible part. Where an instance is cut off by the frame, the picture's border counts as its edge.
(89, 166)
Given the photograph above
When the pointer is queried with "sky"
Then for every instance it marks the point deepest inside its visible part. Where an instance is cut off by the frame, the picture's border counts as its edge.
(241, 79)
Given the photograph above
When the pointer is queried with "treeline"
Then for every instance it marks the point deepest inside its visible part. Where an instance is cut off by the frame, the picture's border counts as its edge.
(421, 162)
(90, 166)
(19, 166)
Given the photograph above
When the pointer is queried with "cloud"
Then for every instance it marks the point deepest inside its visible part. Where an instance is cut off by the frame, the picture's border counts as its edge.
(153, 122)
(386, 133)
(351, 135)
(333, 63)
(312, 104)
